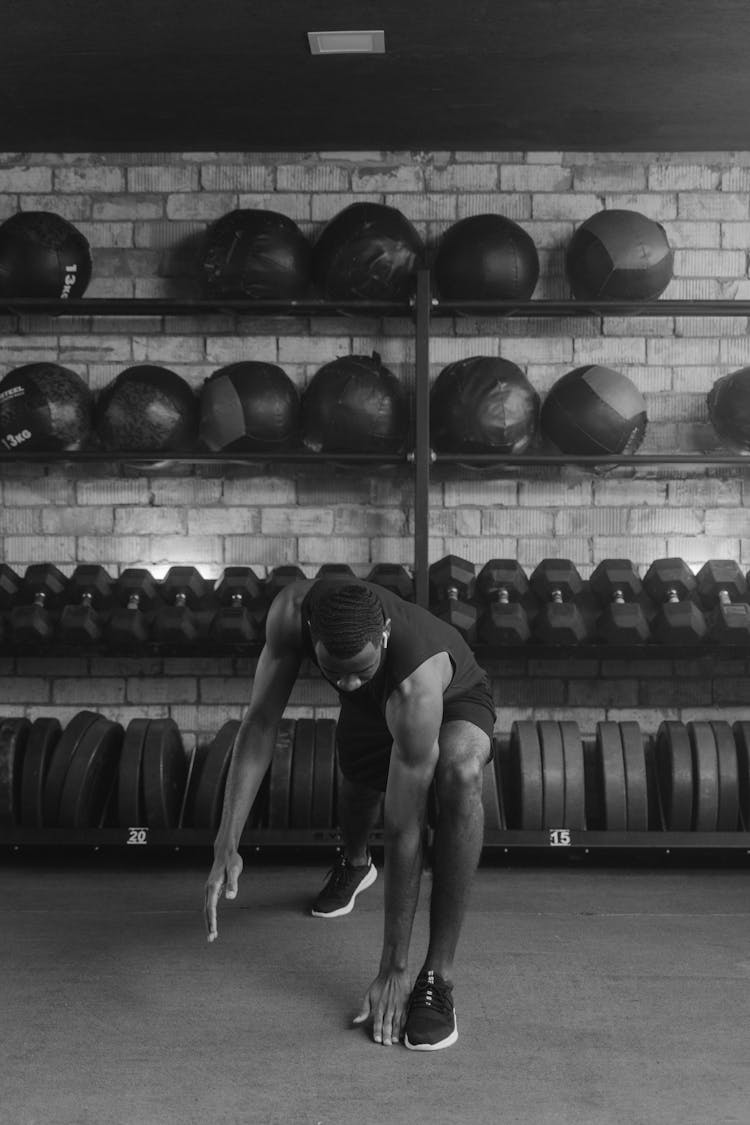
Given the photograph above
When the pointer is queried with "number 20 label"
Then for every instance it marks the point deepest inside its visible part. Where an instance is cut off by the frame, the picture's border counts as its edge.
(137, 835)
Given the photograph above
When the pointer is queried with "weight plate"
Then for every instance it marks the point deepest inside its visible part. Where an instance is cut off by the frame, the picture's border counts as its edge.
(674, 769)
(164, 772)
(553, 774)
(195, 769)
(281, 776)
(209, 794)
(303, 766)
(324, 777)
(611, 768)
(61, 759)
(636, 783)
(729, 793)
(13, 737)
(575, 781)
(525, 791)
(40, 746)
(705, 777)
(91, 775)
(130, 809)
(741, 732)
(493, 821)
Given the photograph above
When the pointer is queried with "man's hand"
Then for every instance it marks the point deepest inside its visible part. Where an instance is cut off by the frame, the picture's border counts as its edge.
(225, 872)
(385, 1002)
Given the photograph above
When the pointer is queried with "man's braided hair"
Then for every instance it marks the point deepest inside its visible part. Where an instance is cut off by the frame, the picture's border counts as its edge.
(345, 617)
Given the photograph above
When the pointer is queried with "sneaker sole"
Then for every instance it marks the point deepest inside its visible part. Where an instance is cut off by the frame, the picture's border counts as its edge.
(447, 1042)
(347, 908)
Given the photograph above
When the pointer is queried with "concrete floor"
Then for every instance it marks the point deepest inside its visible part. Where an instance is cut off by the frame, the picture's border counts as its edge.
(584, 997)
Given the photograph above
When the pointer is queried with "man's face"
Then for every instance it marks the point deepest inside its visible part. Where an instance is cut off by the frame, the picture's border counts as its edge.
(352, 673)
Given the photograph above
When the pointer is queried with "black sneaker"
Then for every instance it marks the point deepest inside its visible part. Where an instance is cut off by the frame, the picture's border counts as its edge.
(345, 881)
(431, 1018)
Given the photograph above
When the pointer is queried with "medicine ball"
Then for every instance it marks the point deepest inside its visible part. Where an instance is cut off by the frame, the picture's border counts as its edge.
(257, 254)
(43, 255)
(44, 407)
(367, 252)
(729, 409)
(354, 405)
(147, 407)
(594, 410)
(249, 406)
(486, 258)
(483, 405)
(620, 255)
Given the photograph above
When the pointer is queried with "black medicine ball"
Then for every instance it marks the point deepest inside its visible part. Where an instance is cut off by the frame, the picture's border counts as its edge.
(354, 405)
(367, 252)
(44, 407)
(261, 255)
(483, 405)
(43, 255)
(729, 409)
(147, 408)
(619, 255)
(486, 258)
(249, 406)
(594, 410)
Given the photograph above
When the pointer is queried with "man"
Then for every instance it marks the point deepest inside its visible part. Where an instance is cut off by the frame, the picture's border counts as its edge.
(415, 709)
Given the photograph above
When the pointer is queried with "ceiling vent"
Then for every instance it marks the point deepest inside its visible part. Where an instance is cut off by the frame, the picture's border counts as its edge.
(346, 42)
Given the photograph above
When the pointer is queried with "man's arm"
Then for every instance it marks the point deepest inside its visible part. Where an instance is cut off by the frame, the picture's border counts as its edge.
(276, 672)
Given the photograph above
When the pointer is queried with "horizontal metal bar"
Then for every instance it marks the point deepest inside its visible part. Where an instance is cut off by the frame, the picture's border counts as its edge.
(632, 460)
(165, 306)
(82, 457)
(572, 308)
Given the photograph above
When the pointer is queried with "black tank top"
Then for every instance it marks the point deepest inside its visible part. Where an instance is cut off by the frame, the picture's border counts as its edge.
(416, 634)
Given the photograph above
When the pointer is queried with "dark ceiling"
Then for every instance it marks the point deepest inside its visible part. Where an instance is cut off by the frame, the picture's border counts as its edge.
(237, 75)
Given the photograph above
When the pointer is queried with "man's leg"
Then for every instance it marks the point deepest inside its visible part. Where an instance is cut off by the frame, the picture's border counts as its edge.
(458, 838)
(359, 810)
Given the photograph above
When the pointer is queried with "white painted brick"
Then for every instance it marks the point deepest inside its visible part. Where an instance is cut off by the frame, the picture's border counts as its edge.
(260, 491)
(148, 521)
(588, 521)
(393, 550)
(25, 179)
(236, 177)
(316, 550)
(103, 235)
(393, 179)
(532, 551)
(97, 691)
(94, 349)
(713, 205)
(85, 179)
(167, 690)
(659, 206)
(570, 205)
(455, 522)
(697, 550)
(462, 177)
(704, 493)
(638, 325)
(710, 263)
(652, 521)
(419, 208)
(326, 205)
(517, 523)
(162, 178)
(734, 236)
(613, 351)
(295, 205)
(75, 208)
(77, 521)
(23, 550)
(444, 351)
(528, 350)
(625, 177)
(23, 689)
(317, 178)
(535, 177)
(221, 350)
(369, 521)
(120, 207)
(168, 492)
(167, 349)
(711, 326)
(731, 523)
(735, 179)
(512, 206)
(296, 521)
(641, 550)
(554, 493)
(704, 352)
(482, 492)
(683, 177)
(694, 235)
(39, 490)
(177, 550)
(163, 234)
(259, 550)
(201, 205)
(21, 521)
(735, 352)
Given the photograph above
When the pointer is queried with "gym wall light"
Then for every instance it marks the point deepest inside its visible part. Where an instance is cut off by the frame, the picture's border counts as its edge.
(346, 42)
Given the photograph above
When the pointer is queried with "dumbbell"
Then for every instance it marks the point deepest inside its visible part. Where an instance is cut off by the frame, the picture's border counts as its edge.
(722, 588)
(393, 577)
(42, 590)
(184, 591)
(504, 587)
(560, 620)
(335, 570)
(619, 591)
(10, 591)
(91, 589)
(243, 609)
(679, 620)
(451, 583)
(281, 577)
(129, 625)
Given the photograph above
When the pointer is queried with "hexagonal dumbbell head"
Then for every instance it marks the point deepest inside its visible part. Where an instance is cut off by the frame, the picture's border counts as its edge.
(619, 591)
(281, 577)
(10, 587)
(451, 581)
(393, 577)
(137, 593)
(560, 621)
(679, 620)
(185, 591)
(90, 594)
(335, 570)
(723, 591)
(42, 592)
(243, 607)
(504, 588)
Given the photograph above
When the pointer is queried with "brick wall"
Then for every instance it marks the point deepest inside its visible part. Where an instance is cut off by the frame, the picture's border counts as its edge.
(144, 214)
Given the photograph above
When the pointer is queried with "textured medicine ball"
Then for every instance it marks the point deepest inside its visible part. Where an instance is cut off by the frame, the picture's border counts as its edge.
(147, 408)
(483, 405)
(367, 252)
(619, 255)
(43, 255)
(44, 407)
(729, 409)
(594, 410)
(249, 406)
(354, 405)
(486, 258)
(257, 254)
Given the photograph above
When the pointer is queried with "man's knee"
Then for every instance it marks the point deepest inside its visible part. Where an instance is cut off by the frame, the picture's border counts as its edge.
(464, 753)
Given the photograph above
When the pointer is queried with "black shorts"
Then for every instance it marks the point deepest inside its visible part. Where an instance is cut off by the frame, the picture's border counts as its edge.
(363, 740)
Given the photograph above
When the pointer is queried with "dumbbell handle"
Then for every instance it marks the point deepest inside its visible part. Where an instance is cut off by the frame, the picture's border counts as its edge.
(134, 601)
(725, 598)
(618, 597)
(237, 600)
(672, 595)
(87, 598)
(556, 596)
(180, 599)
(40, 597)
